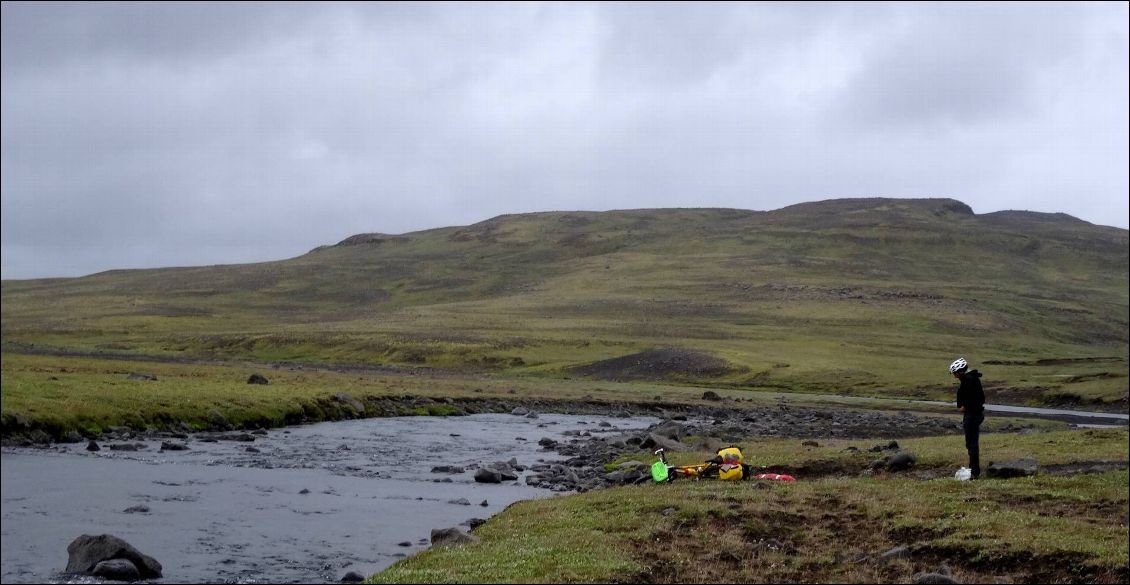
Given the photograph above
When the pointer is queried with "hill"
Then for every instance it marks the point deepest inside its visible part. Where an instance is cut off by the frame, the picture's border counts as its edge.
(854, 296)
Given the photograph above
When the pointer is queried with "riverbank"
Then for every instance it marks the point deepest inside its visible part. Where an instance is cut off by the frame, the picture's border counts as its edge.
(843, 521)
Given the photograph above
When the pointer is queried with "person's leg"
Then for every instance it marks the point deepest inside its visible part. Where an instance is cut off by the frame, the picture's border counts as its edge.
(972, 424)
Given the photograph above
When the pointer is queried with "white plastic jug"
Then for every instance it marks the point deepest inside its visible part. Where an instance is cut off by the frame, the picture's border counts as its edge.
(963, 474)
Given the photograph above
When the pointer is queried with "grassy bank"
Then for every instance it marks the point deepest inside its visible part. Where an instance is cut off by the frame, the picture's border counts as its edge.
(1048, 528)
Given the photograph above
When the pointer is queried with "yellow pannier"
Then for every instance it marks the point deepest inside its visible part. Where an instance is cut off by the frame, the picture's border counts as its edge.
(731, 467)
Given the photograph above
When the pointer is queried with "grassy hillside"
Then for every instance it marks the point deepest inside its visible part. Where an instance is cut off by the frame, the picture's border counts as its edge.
(858, 296)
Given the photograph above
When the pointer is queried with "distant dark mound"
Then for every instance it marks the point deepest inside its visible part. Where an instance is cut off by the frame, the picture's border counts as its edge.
(655, 365)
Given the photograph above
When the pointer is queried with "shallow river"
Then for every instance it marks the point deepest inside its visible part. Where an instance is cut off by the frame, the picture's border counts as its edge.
(314, 502)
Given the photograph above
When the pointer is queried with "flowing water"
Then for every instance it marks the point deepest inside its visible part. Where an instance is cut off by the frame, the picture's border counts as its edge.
(302, 504)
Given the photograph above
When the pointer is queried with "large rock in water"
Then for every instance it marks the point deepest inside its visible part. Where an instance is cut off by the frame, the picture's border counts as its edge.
(86, 552)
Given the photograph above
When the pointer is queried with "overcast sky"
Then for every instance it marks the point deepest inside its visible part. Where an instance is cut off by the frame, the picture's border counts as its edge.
(164, 134)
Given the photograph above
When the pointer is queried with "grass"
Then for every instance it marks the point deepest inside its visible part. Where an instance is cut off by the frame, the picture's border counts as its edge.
(1039, 529)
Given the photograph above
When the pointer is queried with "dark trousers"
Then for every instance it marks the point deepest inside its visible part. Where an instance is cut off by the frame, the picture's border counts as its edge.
(971, 422)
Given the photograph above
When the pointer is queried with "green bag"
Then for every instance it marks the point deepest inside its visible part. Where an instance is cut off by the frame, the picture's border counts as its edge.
(659, 471)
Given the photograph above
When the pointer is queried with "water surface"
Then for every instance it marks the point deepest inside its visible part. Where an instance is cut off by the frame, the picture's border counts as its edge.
(312, 504)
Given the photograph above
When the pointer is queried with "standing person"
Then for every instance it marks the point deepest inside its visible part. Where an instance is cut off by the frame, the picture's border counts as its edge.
(971, 403)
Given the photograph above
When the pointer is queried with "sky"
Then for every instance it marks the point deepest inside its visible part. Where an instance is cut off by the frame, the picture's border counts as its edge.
(139, 135)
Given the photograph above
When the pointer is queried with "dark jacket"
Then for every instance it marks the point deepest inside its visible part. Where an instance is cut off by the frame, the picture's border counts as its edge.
(970, 394)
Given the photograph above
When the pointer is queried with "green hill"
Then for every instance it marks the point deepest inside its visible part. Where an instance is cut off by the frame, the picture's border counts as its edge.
(854, 296)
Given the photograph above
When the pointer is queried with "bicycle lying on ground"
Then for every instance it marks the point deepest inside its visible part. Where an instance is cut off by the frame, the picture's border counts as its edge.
(727, 465)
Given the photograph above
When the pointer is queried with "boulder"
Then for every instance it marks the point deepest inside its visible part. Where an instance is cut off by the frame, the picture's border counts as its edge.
(353, 577)
(86, 552)
(141, 376)
(901, 461)
(1017, 468)
(172, 446)
(256, 379)
(488, 475)
(451, 537)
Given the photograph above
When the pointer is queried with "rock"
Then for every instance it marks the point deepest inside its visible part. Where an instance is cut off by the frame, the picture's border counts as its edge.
(117, 570)
(256, 379)
(448, 469)
(171, 446)
(532, 415)
(669, 429)
(124, 447)
(71, 437)
(474, 523)
(484, 503)
(141, 376)
(901, 461)
(139, 509)
(353, 577)
(931, 578)
(92, 446)
(899, 552)
(488, 475)
(810, 443)
(653, 441)
(354, 404)
(451, 537)
(520, 411)
(304, 491)
(218, 421)
(404, 543)
(460, 502)
(86, 552)
(1017, 468)
(711, 395)
(547, 442)
(240, 437)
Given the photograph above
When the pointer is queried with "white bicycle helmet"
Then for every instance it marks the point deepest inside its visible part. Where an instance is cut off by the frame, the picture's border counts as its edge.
(958, 365)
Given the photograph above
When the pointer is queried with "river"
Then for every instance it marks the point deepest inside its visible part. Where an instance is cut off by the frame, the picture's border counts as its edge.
(304, 504)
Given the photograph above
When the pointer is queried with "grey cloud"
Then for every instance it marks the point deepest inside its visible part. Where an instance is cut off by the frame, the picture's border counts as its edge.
(259, 131)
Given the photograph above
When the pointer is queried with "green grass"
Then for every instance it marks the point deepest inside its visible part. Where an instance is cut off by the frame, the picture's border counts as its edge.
(1044, 528)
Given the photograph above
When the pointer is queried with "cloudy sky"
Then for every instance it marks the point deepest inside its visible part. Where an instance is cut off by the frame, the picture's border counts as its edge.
(164, 134)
